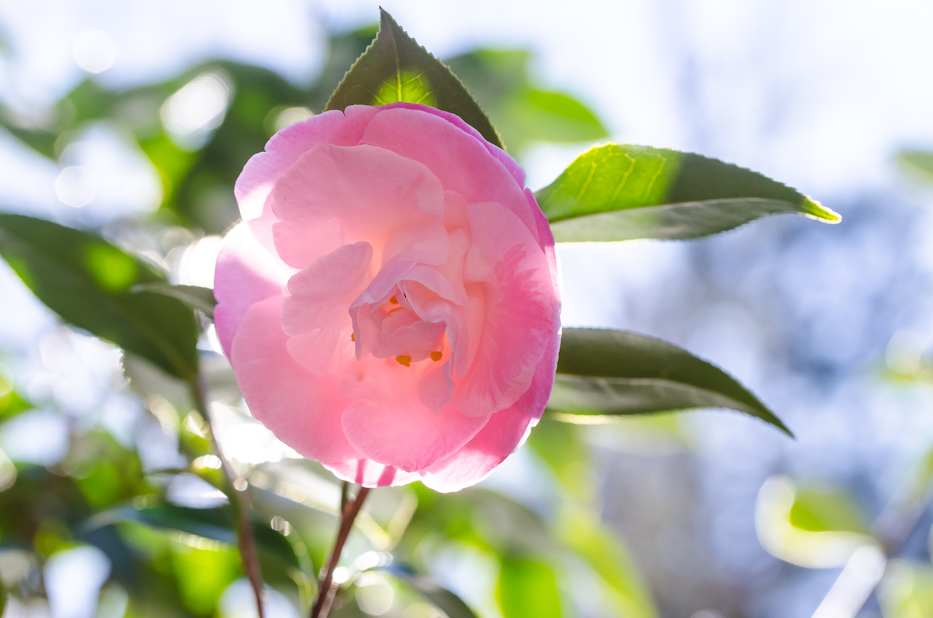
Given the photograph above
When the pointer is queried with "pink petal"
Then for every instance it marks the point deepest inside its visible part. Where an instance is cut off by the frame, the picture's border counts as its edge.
(503, 434)
(462, 163)
(245, 274)
(510, 164)
(521, 311)
(303, 410)
(322, 292)
(370, 474)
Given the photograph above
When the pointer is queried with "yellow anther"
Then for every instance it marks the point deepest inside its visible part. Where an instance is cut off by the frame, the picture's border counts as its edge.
(404, 359)
(352, 337)
(436, 356)
(393, 300)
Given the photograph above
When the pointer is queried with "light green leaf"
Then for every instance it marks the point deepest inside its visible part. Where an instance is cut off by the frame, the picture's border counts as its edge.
(610, 372)
(522, 111)
(194, 296)
(395, 68)
(527, 588)
(917, 163)
(907, 590)
(624, 192)
(582, 532)
(87, 281)
(443, 599)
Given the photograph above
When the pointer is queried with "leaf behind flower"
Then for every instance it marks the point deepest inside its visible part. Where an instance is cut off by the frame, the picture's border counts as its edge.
(625, 192)
(604, 373)
(395, 68)
(90, 284)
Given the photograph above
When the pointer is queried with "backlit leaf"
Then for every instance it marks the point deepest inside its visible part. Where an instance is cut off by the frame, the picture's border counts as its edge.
(527, 588)
(395, 68)
(609, 372)
(624, 192)
(194, 296)
(88, 282)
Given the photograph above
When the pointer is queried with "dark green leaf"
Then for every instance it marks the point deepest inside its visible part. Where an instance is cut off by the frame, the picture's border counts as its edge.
(194, 296)
(609, 372)
(527, 588)
(214, 523)
(625, 192)
(395, 68)
(88, 281)
(443, 599)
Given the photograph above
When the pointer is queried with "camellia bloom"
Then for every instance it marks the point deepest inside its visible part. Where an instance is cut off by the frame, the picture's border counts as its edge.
(390, 303)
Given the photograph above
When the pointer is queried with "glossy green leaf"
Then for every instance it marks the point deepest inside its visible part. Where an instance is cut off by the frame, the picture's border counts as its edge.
(443, 599)
(194, 296)
(87, 281)
(527, 588)
(624, 192)
(214, 523)
(395, 68)
(609, 372)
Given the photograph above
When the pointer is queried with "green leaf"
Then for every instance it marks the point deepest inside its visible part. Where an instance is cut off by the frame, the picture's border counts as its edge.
(88, 282)
(443, 599)
(501, 83)
(194, 296)
(624, 192)
(214, 523)
(917, 163)
(527, 588)
(395, 68)
(610, 372)
(609, 557)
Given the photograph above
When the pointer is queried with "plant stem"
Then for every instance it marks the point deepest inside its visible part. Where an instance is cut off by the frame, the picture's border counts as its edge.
(328, 588)
(239, 502)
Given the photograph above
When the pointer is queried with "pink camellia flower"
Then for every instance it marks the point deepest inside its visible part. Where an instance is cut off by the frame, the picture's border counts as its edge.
(390, 303)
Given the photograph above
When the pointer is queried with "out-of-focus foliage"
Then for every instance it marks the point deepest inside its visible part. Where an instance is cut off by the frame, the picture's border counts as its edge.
(625, 192)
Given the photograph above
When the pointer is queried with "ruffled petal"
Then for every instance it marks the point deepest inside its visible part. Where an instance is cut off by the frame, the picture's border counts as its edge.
(303, 410)
(245, 274)
(370, 474)
(462, 163)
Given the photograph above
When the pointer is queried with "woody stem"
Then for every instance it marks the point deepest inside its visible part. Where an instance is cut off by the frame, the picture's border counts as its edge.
(328, 588)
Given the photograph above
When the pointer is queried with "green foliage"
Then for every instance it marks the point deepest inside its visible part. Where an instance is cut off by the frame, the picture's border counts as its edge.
(824, 509)
(522, 112)
(607, 372)
(395, 68)
(214, 523)
(527, 588)
(87, 281)
(194, 296)
(443, 599)
(624, 192)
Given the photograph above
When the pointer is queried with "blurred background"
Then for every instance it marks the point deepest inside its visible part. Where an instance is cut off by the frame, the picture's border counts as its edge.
(134, 119)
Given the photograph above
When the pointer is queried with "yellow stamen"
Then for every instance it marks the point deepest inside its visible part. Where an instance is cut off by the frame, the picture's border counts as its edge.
(393, 300)
(436, 356)
(396, 310)
(352, 337)
(404, 359)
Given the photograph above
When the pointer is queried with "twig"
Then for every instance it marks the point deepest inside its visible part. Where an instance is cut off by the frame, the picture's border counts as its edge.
(239, 502)
(328, 587)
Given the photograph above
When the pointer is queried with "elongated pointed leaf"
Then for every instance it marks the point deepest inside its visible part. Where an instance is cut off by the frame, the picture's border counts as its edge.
(443, 599)
(194, 296)
(610, 372)
(624, 192)
(88, 282)
(395, 68)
